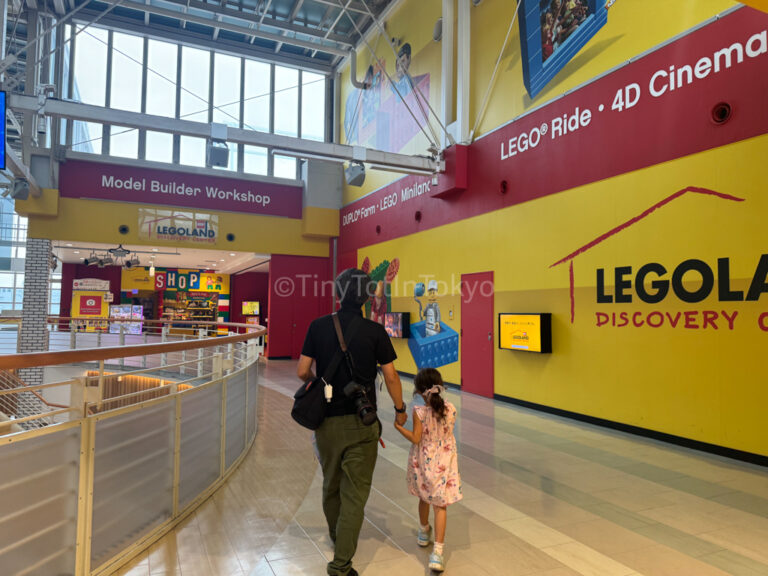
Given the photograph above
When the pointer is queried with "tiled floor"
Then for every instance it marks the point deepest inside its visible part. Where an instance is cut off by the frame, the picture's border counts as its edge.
(543, 496)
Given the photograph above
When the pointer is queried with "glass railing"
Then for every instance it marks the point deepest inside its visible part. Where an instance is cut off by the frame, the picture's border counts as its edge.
(119, 443)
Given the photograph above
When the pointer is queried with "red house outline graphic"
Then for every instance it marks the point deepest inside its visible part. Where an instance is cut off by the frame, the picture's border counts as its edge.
(630, 222)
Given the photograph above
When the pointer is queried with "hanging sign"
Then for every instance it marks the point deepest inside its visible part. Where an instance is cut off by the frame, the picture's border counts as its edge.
(117, 182)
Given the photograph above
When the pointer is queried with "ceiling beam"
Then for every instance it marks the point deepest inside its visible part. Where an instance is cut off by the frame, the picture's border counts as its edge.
(20, 170)
(185, 37)
(328, 150)
(255, 21)
(291, 18)
(334, 50)
(353, 6)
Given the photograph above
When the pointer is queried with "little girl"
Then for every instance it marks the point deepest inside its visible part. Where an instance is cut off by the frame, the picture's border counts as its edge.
(433, 472)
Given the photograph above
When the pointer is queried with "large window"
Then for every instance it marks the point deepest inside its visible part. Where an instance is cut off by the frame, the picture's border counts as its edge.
(90, 66)
(138, 74)
(13, 233)
(286, 101)
(313, 111)
(162, 61)
(226, 97)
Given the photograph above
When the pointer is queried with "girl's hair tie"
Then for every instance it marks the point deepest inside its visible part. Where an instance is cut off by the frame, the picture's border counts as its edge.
(436, 389)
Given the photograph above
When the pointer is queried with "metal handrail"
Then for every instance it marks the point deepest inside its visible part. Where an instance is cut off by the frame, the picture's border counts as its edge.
(97, 518)
(37, 359)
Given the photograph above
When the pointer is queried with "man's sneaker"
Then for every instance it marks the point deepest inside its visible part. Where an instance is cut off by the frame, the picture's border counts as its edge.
(423, 537)
(436, 562)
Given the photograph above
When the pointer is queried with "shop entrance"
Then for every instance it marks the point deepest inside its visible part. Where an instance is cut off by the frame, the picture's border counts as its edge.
(189, 289)
(477, 298)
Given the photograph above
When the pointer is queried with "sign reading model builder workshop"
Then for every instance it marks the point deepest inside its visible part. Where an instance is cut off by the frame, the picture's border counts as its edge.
(95, 180)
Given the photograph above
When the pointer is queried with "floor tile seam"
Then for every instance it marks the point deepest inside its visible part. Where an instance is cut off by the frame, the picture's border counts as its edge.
(671, 484)
(663, 543)
(531, 541)
(607, 453)
(763, 563)
(624, 570)
(311, 540)
(649, 522)
(760, 570)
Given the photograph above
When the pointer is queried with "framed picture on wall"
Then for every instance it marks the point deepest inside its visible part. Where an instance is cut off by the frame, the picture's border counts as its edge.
(552, 32)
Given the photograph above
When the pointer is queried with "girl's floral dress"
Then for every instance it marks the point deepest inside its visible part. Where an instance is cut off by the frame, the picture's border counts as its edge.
(433, 470)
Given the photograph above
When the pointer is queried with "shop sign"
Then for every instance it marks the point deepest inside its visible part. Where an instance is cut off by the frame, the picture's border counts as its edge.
(177, 226)
(117, 182)
(192, 280)
(90, 284)
(90, 305)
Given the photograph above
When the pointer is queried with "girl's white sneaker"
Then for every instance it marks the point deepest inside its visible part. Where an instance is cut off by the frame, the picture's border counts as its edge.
(422, 539)
(436, 562)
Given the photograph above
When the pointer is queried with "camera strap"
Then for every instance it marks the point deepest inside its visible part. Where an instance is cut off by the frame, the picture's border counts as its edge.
(351, 330)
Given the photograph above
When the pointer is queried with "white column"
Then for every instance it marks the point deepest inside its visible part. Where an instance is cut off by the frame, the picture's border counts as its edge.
(447, 83)
(463, 71)
(33, 334)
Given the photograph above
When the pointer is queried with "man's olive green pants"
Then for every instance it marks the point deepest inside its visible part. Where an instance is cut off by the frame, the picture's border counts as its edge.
(347, 449)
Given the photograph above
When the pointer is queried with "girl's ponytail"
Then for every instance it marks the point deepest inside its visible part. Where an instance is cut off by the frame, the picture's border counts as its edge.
(429, 383)
(437, 404)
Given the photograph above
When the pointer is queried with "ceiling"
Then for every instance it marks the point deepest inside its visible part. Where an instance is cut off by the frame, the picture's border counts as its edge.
(313, 33)
(221, 261)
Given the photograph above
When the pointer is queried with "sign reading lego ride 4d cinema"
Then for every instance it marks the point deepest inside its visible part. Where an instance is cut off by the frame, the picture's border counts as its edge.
(117, 182)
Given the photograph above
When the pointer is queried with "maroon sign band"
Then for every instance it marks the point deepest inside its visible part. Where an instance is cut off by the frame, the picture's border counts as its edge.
(95, 180)
(704, 90)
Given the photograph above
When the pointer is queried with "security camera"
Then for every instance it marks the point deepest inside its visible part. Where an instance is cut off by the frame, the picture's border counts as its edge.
(19, 189)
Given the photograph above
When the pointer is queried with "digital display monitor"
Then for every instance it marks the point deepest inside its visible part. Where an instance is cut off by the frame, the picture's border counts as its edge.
(524, 331)
(397, 324)
(250, 308)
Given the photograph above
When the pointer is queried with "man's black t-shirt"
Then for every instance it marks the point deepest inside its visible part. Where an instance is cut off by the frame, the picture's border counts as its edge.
(369, 347)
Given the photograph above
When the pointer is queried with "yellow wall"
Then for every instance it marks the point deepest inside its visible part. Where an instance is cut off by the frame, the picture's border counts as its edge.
(630, 31)
(98, 221)
(413, 23)
(695, 383)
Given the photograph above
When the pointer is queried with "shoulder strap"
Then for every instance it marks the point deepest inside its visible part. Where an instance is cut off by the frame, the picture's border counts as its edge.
(343, 353)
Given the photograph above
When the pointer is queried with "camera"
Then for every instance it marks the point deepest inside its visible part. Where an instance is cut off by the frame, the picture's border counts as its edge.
(364, 408)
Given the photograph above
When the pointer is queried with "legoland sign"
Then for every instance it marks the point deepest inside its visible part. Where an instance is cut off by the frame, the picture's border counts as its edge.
(178, 226)
(94, 180)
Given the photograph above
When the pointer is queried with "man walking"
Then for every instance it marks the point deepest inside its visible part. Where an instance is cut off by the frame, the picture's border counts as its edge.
(347, 448)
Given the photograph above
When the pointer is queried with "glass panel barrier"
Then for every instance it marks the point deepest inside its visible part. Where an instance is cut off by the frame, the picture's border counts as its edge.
(235, 438)
(132, 476)
(38, 503)
(200, 441)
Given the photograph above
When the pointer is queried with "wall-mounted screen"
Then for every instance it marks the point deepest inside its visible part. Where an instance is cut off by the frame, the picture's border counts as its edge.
(524, 331)
(250, 308)
(397, 324)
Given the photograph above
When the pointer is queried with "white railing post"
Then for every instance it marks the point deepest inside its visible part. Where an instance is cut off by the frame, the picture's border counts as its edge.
(218, 366)
(101, 382)
(200, 353)
(77, 398)
(163, 338)
(72, 337)
(144, 357)
(122, 342)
